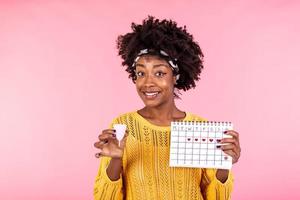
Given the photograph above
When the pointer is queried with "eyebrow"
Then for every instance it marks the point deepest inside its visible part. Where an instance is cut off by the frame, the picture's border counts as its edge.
(157, 65)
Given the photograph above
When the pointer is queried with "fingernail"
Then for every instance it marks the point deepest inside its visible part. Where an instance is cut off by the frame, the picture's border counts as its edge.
(114, 130)
(97, 155)
(218, 140)
(218, 146)
(114, 135)
(225, 132)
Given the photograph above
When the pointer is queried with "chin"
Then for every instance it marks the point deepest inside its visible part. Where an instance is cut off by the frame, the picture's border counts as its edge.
(153, 104)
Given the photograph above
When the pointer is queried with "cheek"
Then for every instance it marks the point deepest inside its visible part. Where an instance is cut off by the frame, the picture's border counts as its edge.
(168, 84)
(137, 84)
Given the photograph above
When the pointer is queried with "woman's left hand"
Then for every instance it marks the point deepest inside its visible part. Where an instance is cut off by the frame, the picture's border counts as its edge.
(232, 148)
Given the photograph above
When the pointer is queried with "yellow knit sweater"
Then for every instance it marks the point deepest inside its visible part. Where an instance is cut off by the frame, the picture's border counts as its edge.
(146, 172)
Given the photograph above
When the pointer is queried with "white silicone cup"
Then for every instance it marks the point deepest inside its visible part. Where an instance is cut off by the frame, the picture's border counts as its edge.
(120, 131)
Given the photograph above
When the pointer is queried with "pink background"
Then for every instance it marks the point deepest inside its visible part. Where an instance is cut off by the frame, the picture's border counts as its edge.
(61, 83)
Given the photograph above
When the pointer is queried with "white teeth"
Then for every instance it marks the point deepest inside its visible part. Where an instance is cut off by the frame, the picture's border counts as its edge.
(151, 93)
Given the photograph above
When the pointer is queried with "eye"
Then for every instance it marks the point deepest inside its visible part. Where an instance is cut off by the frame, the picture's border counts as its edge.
(160, 74)
(139, 74)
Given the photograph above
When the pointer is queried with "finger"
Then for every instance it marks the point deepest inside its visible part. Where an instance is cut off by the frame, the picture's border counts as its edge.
(230, 140)
(231, 150)
(234, 141)
(234, 150)
(106, 136)
(98, 155)
(125, 135)
(228, 147)
(235, 157)
(107, 132)
(230, 153)
(112, 140)
(99, 145)
(123, 141)
(233, 153)
(232, 133)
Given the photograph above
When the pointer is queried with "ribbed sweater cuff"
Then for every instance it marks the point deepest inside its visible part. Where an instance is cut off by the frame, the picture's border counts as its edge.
(228, 182)
(107, 180)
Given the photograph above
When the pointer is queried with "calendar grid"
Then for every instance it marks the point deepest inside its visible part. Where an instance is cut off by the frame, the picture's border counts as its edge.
(193, 144)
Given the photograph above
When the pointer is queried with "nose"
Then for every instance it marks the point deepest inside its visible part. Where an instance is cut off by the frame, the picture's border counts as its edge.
(148, 80)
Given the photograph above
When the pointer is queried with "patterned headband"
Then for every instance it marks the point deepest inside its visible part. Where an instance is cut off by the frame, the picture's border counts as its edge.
(172, 63)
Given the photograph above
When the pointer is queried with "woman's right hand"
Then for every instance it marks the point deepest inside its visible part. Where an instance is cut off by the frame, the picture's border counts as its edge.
(108, 144)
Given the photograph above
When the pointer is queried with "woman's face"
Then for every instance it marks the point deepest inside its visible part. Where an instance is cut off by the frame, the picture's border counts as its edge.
(155, 81)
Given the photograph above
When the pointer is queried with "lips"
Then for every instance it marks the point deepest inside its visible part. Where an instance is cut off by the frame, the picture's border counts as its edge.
(151, 95)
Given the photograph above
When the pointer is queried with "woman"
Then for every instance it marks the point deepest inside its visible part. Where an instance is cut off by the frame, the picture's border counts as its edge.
(161, 58)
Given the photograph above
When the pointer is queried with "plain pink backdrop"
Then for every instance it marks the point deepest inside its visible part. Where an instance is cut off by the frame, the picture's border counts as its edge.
(61, 83)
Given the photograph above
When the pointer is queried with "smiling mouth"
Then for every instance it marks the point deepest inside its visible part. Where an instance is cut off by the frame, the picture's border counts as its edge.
(151, 95)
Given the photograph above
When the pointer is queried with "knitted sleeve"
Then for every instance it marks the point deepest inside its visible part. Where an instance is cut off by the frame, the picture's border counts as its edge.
(212, 188)
(104, 188)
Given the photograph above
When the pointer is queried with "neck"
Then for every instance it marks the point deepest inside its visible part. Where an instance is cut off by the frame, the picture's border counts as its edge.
(163, 114)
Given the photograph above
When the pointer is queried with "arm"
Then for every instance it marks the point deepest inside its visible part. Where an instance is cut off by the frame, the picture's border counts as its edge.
(222, 175)
(218, 184)
(213, 188)
(108, 183)
(114, 169)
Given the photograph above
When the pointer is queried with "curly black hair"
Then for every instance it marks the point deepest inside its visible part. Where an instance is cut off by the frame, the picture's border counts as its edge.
(163, 35)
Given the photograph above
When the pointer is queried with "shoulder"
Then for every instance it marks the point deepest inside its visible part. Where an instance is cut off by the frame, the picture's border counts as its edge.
(124, 118)
(194, 117)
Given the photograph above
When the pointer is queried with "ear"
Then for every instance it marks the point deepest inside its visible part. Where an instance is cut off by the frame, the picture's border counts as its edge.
(133, 80)
(174, 79)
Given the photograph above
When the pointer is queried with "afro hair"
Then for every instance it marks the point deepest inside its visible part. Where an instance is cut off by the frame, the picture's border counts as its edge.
(163, 35)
